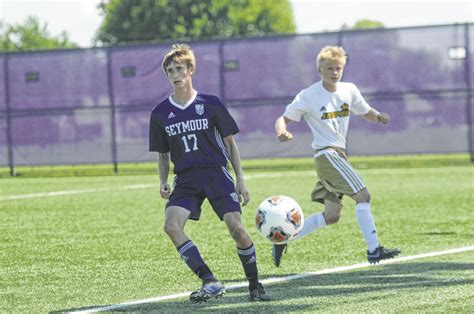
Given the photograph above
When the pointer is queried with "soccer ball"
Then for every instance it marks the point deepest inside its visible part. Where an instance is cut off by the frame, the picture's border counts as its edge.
(279, 219)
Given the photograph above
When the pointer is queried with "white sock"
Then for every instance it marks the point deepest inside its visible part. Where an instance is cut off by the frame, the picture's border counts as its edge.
(312, 223)
(367, 225)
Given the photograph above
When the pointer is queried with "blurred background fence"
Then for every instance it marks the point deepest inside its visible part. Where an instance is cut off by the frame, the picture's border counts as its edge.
(91, 106)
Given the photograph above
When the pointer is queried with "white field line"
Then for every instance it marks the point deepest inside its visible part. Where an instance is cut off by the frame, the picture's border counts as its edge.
(280, 279)
(147, 186)
(81, 191)
(128, 187)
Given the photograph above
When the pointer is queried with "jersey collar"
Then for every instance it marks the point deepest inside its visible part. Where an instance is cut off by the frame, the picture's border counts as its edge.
(186, 105)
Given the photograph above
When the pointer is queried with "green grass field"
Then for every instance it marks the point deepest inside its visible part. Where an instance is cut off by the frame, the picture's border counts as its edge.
(259, 164)
(105, 245)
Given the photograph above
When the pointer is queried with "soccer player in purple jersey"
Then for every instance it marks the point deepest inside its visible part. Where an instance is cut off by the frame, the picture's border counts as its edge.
(196, 131)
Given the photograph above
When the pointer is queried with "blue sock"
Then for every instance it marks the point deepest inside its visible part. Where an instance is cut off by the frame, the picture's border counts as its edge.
(190, 255)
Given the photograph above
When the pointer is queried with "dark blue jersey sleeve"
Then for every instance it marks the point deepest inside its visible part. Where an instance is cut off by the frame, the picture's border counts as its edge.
(158, 141)
(224, 121)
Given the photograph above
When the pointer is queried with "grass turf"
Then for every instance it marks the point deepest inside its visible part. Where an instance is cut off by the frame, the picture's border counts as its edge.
(96, 248)
(278, 164)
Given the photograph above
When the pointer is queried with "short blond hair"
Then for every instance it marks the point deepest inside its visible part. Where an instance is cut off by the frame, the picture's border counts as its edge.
(180, 53)
(331, 53)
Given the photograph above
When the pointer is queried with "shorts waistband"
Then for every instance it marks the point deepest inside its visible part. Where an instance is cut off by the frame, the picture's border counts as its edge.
(320, 151)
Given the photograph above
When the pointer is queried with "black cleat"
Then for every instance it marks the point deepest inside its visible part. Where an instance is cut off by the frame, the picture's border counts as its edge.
(277, 252)
(381, 253)
(259, 294)
(209, 289)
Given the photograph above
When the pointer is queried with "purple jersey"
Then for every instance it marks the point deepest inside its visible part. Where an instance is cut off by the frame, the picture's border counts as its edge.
(193, 133)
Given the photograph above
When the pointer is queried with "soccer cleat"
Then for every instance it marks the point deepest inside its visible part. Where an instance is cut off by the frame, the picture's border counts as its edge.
(209, 289)
(277, 252)
(259, 294)
(381, 253)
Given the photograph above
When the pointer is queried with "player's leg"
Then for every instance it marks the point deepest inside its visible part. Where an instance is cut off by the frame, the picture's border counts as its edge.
(175, 220)
(331, 214)
(339, 177)
(245, 247)
(220, 191)
(321, 193)
(185, 203)
(333, 204)
(326, 192)
(375, 252)
(366, 219)
(247, 255)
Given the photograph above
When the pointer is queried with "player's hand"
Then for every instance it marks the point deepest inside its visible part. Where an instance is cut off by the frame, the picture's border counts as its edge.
(165, 190)
(383, 118)
(285, 136)
(243, 193)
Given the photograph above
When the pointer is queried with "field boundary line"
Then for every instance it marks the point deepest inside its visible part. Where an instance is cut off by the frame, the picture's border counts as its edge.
(81, 191)
(121, 188)
(280, 279)
(142, 186)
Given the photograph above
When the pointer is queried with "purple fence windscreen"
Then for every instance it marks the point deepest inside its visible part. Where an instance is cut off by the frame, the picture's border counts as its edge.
(3, 99)
(272, 68)
(471, 51)
(93, 105)
(70, 79)
(139, 80)
(3, 121)
(62, 137)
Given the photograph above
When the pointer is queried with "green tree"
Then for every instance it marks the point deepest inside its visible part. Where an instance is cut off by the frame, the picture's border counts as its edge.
(141, 20)
(367, 24)
(31, 35)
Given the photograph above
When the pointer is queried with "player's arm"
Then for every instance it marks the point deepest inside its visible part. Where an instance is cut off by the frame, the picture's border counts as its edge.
(234, 153)
(163, 171)
(281, 125)
(375, 116)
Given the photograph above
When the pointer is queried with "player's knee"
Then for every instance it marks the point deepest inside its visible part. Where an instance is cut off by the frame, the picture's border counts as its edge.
(239, 234)
(332, 219)
(168, 229)
(171, 229)
(362, 196)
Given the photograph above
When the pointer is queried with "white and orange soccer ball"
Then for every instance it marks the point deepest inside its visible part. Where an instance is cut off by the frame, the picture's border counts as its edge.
(279, 219)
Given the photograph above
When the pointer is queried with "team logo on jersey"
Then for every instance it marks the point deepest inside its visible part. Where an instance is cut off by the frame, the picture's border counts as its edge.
(171, 115)
(235, 197)
(199, 109)
(337, 114)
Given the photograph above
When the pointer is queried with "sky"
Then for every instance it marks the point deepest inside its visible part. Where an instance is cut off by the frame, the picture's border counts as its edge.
(80, 18)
